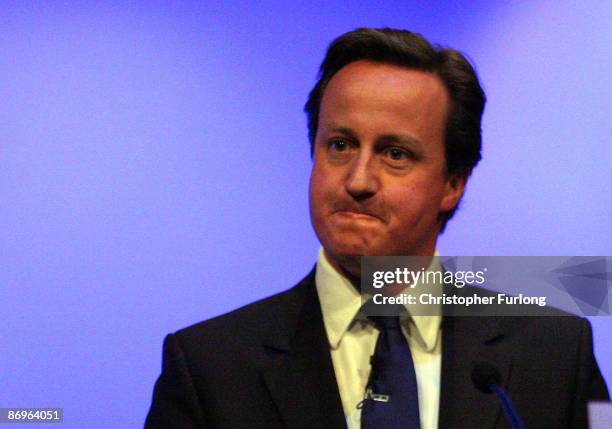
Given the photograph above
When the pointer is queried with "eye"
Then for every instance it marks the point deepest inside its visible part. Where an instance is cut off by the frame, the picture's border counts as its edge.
(397, 154)
(338, 145)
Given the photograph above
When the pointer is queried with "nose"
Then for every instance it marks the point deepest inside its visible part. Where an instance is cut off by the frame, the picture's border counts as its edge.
(362, 180)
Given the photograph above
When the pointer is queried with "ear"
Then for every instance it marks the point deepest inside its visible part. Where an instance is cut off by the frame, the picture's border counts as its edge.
(454, 188)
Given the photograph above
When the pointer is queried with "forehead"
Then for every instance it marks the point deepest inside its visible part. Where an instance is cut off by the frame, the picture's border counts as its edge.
(382, 93)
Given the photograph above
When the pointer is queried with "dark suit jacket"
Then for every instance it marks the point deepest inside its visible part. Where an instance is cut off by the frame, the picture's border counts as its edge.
(268, 365)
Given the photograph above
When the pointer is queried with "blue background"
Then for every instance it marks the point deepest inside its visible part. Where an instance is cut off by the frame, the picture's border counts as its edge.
(154, 168)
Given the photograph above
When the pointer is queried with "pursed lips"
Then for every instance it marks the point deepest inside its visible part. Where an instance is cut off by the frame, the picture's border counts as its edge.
(358, 214)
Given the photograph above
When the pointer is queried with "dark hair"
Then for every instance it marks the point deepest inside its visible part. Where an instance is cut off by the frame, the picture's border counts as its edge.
(411, 50)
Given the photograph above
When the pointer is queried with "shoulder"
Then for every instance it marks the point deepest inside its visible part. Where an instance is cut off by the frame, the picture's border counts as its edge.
(557, 329)
(249, 325)
(527, 323)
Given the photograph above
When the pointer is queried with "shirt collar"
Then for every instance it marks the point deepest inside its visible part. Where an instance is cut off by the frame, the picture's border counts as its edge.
(340, 301)
(340, 304)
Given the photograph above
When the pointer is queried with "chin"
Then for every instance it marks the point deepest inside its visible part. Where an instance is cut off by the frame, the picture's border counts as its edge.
(352, 247)
(348, 255)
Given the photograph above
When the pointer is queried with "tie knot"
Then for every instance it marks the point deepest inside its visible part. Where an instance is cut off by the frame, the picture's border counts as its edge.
(385, 317)
(386, 323)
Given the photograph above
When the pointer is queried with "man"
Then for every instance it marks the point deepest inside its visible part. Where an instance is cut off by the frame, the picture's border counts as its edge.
(394, 125)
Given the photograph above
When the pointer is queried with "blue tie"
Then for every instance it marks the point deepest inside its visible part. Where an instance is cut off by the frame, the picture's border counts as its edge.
(392, 399)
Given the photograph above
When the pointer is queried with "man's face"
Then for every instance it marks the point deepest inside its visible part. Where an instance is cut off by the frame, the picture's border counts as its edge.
(379, 179)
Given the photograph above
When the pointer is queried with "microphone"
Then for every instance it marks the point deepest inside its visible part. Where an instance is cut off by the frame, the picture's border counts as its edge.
(487, 379)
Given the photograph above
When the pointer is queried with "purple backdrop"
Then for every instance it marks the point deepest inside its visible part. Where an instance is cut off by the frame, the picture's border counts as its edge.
(154, 168)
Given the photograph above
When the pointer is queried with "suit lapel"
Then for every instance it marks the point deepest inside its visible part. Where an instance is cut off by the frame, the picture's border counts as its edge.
(466, 340)
(302, 383)
(300, 376)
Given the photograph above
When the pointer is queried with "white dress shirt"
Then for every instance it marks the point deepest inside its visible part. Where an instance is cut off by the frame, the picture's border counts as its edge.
(352, 339)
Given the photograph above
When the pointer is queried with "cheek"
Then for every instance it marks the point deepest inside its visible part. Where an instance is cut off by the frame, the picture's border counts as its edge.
(323, 184)
(412, 204)
(316, 193)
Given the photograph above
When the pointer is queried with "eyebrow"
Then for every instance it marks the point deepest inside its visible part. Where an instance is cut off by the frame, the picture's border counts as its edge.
(404, 139)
